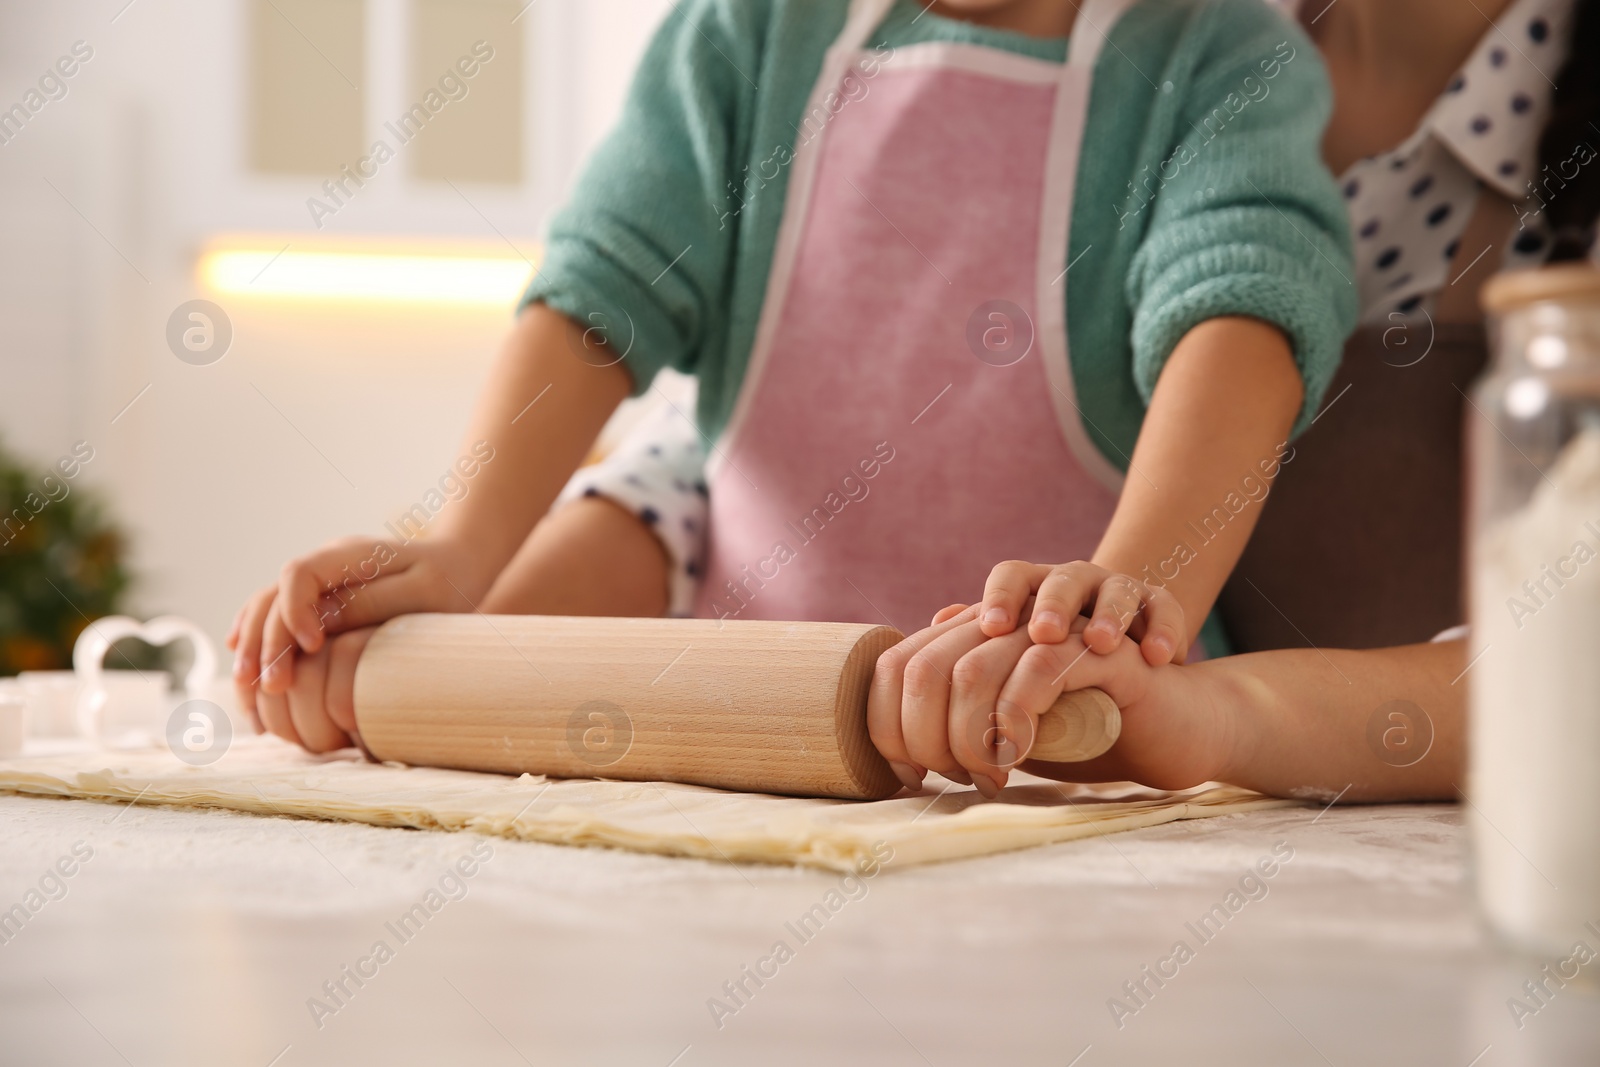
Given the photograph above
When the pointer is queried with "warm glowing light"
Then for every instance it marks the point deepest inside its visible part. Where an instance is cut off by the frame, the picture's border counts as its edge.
(435, 278)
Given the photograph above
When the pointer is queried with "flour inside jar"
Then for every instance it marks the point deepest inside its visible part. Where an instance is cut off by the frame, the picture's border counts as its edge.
(1535, 713)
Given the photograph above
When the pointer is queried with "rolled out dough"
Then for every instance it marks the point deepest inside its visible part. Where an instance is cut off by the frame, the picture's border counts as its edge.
(268, 777)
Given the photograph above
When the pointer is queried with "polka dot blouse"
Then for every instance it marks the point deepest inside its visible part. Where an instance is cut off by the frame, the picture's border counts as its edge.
(1409, 207)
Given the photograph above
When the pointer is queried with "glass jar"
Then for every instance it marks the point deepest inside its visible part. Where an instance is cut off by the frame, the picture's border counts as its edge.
(1534, 590)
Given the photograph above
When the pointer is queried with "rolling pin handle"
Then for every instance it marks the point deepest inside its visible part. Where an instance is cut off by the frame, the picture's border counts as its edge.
(1079, 726)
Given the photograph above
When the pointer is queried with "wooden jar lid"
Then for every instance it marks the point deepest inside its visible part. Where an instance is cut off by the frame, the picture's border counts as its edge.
(1570, 283)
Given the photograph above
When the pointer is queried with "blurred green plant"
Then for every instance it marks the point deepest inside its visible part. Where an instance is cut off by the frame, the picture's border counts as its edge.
(62, 565)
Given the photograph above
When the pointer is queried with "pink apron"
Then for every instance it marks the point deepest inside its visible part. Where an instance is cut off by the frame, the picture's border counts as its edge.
(908, 417)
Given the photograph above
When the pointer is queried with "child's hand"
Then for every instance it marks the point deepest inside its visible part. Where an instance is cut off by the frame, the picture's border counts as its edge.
(317, 711)
(952, 700)
(1119, 604)
(353, 582)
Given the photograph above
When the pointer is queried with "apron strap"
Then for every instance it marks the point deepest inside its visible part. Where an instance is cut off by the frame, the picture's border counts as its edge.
(1090, 32)
(1096, 18)
(864, 17)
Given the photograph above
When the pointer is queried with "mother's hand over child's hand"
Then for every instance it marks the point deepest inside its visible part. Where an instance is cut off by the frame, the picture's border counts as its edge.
(1116, 604)
(349, 583)
(951, 700)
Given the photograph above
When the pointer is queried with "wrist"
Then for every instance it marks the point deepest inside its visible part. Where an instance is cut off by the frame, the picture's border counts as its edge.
(1237, 700)
(467, 567)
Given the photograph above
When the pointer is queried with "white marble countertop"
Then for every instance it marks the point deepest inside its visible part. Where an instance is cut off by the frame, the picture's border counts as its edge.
(199, 937)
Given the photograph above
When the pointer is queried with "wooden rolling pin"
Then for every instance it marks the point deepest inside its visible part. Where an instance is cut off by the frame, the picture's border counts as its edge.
(767, 707)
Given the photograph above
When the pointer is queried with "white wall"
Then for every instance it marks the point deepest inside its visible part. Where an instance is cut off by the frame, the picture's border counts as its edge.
(146, 158)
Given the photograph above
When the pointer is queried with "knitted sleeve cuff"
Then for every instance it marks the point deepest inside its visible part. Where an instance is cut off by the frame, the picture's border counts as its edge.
(618, 315)
(1257, 281)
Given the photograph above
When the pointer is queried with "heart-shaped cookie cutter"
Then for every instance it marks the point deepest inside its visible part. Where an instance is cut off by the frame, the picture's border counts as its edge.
(89, 653)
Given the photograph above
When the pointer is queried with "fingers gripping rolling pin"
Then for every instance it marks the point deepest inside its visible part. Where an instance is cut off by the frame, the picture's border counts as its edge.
(767, 707)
